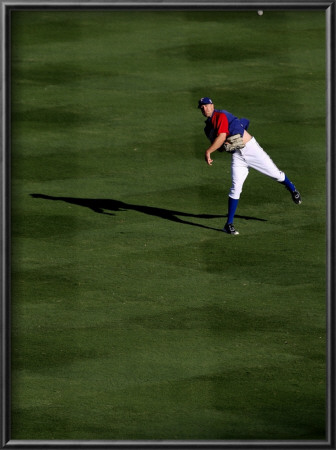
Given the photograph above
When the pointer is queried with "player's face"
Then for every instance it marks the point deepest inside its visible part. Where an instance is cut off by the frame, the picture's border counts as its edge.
(207, 110)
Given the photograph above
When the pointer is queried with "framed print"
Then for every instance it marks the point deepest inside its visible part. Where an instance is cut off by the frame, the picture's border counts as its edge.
(168, 186)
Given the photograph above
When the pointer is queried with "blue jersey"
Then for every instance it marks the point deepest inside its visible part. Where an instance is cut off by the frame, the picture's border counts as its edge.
(223, 121)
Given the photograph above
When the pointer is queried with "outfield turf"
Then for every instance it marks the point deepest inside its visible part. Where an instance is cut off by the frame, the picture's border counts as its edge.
(133, 315)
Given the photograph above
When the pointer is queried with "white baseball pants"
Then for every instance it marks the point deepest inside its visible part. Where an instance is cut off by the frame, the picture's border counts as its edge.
(251, 156)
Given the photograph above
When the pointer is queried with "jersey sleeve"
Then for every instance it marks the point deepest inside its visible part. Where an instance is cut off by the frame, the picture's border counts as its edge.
(220, 122)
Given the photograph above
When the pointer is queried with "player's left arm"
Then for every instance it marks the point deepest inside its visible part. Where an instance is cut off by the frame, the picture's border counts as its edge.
(217, 143)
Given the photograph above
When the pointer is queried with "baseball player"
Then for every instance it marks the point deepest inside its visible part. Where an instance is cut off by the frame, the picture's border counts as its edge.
(228, 133)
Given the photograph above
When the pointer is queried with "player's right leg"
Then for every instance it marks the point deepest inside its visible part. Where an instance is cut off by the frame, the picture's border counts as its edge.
(239, 172)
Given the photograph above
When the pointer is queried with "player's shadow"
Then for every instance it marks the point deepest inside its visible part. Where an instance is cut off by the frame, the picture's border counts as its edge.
(102, 206)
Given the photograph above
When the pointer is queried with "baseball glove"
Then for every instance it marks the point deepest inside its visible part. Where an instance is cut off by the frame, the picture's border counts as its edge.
(233, 143)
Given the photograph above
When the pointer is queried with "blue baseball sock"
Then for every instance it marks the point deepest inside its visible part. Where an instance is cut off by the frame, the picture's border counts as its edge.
(289, 185)
(233, 203)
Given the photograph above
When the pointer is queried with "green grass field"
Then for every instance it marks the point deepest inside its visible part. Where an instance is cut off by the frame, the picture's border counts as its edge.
(133, 316)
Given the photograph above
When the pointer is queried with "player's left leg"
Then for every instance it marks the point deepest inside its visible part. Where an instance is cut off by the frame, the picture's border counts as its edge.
(258, 159)
(292, 189)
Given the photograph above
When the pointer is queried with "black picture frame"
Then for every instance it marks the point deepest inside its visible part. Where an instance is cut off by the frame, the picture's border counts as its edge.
(7, 7)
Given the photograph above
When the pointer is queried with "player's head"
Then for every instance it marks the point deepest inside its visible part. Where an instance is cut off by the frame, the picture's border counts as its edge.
(205, 104)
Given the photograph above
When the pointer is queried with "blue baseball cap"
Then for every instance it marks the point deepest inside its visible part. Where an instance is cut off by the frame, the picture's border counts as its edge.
(204, 101)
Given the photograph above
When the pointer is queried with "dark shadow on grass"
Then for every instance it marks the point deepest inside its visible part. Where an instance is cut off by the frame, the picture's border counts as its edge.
(100, 205)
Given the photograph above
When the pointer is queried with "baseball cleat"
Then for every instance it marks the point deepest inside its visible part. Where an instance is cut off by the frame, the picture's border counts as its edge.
(230, 229)
(296, 197)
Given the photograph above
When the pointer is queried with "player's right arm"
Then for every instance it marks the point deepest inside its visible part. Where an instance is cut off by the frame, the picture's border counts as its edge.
(217, 143)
